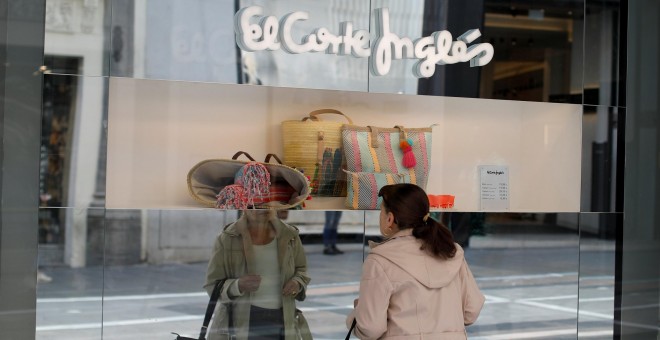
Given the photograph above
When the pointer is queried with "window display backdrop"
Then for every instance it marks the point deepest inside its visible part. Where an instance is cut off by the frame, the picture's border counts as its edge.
(158, 130)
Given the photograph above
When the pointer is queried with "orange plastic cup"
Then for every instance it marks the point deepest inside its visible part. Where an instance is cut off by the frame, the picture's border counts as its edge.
(441, 201)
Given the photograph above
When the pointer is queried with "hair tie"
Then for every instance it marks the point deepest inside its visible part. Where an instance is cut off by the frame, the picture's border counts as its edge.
(426, 217)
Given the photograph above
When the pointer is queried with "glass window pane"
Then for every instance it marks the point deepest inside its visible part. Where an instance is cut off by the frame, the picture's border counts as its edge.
(597, 273)
(163, 279)
(195, 41)
(527, 266)
(76, 29)
(71, 137)
(603, 46)
(602, 159)
(69, 281)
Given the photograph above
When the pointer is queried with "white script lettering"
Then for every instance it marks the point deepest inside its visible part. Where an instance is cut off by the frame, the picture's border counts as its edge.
(437, 49)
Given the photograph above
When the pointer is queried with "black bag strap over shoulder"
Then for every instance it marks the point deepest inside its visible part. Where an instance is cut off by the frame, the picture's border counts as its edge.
(215, 295)
(348, 336)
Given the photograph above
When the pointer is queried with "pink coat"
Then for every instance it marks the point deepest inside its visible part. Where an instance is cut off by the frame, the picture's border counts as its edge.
(407, 294)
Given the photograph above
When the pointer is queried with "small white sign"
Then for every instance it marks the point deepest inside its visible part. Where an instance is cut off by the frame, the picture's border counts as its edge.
(494, 187)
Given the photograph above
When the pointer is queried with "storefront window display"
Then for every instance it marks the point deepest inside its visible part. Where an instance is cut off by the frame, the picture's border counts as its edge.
(173, 83)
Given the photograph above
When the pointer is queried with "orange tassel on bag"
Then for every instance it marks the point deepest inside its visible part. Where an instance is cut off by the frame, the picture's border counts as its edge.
(409, 160)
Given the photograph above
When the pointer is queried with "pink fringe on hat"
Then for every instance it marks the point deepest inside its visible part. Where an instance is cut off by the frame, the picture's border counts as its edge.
(255, 181)
(251, 183)
(232, 197)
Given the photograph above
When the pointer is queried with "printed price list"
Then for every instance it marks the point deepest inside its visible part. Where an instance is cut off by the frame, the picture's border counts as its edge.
(494, 187)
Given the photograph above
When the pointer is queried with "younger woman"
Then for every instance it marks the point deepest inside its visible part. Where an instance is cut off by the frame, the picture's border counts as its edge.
(416, 284)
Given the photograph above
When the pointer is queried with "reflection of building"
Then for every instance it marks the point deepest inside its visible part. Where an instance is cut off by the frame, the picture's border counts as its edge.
(73, 108)
(535, 60)
(59, 95)
(541, 61)
(547, 66)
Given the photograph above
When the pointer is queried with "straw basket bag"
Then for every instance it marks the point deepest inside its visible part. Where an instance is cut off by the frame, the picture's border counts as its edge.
(288, 187)
(314, 146)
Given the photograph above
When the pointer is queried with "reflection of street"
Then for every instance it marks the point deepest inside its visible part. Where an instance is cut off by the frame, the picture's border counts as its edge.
(532, 293)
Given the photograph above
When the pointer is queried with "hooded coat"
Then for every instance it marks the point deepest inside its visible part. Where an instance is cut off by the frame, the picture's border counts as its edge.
(406, 293)
(233, 257)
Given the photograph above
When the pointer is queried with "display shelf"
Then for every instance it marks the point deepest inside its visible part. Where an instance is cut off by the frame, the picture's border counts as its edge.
(158, 130)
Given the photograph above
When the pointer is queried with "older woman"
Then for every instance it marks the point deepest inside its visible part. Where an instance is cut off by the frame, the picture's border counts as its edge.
(416, 284)
(264, 263)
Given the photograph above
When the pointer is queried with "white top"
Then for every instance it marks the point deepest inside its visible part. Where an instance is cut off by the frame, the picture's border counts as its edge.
(269, 294)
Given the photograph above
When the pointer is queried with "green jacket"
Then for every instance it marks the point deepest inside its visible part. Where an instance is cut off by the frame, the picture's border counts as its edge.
(233, 257)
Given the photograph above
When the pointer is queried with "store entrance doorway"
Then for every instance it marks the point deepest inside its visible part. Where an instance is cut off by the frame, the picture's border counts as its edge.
(60, 95)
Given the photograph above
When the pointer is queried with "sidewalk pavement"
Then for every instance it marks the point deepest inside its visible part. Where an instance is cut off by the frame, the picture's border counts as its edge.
(497, 236)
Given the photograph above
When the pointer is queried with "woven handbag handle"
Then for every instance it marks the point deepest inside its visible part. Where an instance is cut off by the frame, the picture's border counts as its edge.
(238, 154)
(374, 136)
(314, 115)
(402, 132)
(272, 155)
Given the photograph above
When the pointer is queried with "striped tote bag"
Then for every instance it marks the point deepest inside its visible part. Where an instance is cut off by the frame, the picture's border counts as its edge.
(360, 189)
(374, 149)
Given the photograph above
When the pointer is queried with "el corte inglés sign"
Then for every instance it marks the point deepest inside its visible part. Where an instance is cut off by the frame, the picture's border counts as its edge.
(256, 32)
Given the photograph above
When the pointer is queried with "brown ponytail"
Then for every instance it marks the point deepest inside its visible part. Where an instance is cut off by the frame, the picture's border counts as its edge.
(410, 206)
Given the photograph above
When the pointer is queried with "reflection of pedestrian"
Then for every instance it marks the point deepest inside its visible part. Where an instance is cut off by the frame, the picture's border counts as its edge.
(464, 225)
(264, 263)
(460, 226)
(330, 233)
(42, 277)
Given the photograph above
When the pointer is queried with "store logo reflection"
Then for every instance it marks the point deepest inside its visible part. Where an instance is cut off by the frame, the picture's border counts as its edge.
(435, 49)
